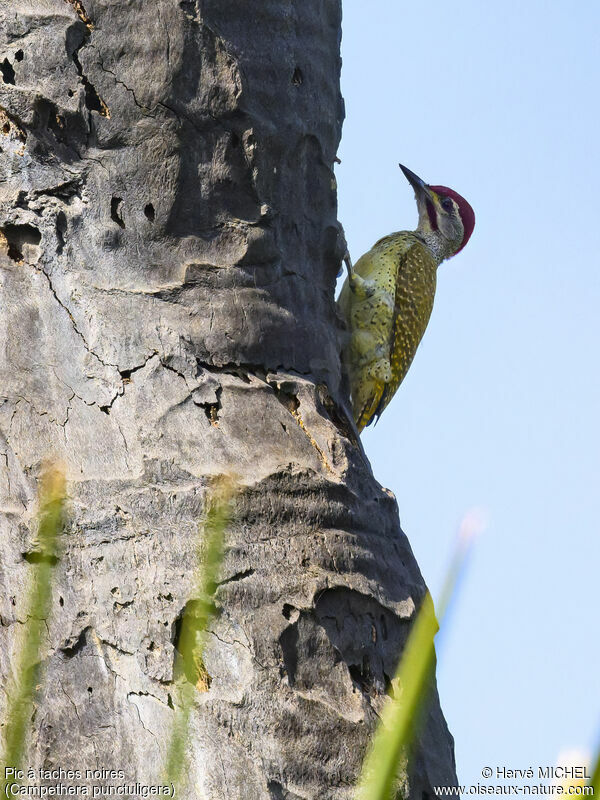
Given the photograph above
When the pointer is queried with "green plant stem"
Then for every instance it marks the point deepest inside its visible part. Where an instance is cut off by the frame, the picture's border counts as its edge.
(21, 699)
(196, 618)
(399, 719)
(594, 781)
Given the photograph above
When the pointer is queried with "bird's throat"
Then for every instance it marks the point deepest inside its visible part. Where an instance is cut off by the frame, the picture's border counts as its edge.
(439, 246)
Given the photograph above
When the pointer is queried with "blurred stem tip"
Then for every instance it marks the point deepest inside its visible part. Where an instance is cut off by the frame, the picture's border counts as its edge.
(189, 663)
(595, 778)
(51, 502)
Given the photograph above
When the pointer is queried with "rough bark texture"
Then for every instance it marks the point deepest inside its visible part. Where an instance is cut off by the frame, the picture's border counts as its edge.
(169, 247)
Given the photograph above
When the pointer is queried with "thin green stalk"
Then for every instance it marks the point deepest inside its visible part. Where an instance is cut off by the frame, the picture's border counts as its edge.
(52, 497)
(189, 665)
(399, 719)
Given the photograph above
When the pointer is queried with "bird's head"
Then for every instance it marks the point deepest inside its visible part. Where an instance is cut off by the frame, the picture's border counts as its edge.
(446, 220)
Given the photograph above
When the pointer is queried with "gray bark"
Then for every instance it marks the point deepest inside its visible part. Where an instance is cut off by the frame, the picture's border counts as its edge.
(169, 248)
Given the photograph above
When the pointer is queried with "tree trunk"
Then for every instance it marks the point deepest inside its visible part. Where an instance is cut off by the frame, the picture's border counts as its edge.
(169, 254)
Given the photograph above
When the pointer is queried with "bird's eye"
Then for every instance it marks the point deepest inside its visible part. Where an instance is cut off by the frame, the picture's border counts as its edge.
(446, 203)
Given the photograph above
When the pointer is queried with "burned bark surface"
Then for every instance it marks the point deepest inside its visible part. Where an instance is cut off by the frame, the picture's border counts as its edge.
(168, 253)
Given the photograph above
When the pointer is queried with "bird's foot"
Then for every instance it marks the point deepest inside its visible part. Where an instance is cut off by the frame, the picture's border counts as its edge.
(380, 370)
(360, 287)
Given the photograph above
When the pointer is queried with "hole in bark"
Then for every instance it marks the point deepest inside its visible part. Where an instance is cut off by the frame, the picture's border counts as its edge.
(93, 101)
(357, 676)
(118, 606)
(177, 630)
(297, 77)
(212, 413)
(19, 55)
(14, 252)
(337, 415)
(77, 646)
(276, 791)
(287, 399)
(90, 690)
(189, 7)
(212, 409)
(288, 610)
(71, 93)
(8, 73)
(149, 212)
(55, 123)
(170, 701)
(361, 674)
(35, 557)
(151, 646)
(61, 229)
(115, 214)
(239, 372)
(167, 596)
(193, 667)
(61, 602)
(289, 647)
(16, 236)
(114, 590)
(65, 190)
(6, 127)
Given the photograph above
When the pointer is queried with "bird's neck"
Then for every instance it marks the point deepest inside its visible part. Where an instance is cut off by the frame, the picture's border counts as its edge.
(440, 247)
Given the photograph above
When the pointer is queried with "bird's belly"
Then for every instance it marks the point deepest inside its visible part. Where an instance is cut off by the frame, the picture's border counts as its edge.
(370, 322)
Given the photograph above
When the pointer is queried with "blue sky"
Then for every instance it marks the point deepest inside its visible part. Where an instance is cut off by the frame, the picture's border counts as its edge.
(501, 406)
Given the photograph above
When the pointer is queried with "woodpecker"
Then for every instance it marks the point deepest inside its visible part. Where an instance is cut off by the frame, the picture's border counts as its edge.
(387, 298)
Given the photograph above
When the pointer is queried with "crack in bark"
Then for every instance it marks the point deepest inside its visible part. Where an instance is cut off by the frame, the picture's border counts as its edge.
(73, 322)
(148, 694)
(125, 379)
(93, 101)
(126, 446)
(129, 695)
(289, 400)
(211, 409)
(5, 457)
(237, 641)
(39, 413)
(238, 576)
(70, 699)
(296, 415)
(146, 111)
(63, 191)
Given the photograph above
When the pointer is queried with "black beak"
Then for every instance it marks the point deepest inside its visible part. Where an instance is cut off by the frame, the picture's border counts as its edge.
(417, 183)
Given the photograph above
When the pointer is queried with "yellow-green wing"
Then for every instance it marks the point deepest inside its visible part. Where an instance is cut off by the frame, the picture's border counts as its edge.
(415, 293)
